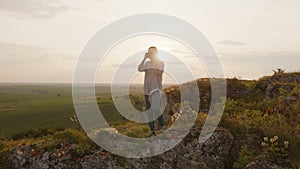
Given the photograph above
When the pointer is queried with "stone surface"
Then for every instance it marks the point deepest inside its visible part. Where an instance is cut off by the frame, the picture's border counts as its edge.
(192, 154)
(262, 164)
(272, 84)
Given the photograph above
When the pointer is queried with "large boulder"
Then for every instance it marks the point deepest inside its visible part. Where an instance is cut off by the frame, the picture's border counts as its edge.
(216, 150)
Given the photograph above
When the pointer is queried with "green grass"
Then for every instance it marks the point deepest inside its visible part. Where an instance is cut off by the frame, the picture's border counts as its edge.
(27, 106)
(33, 106)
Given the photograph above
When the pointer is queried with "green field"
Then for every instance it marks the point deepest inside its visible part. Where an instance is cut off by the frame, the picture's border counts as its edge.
(26, 106)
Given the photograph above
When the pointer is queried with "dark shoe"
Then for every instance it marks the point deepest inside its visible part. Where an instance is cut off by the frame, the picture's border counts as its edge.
(152, 133)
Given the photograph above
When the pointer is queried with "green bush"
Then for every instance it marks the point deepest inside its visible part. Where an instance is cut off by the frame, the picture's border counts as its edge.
(3, 156)
(72, 135)
(277, 150)
(34, 133)
(245, 156)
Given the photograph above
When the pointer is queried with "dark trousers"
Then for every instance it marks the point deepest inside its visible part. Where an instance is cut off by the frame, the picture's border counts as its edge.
(160, 118)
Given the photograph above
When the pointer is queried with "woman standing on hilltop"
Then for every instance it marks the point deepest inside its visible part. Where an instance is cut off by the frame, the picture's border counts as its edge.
(154, 70)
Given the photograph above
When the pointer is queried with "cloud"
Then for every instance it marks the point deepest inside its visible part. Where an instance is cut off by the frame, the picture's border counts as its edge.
(256, 64)
(33, 8)
(231, 43)
(26, 63)
(25, 54)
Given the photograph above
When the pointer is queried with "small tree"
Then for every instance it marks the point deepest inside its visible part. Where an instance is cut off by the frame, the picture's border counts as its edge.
(278, 71)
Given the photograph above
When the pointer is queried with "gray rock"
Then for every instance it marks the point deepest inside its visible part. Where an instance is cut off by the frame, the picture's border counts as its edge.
(192, 154)
(216, 150)
(262, 164)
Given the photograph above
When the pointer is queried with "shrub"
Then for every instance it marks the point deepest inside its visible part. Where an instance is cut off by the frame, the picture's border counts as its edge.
(3, 156)
(278, 151)
(245, 156)
(34, 133)
(75, 136)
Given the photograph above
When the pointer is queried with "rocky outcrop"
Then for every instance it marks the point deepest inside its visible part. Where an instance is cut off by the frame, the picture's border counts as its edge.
(213, 153)
(64, 156)
(235, 90)
(262, 164)
(216, 150)
(272, 84)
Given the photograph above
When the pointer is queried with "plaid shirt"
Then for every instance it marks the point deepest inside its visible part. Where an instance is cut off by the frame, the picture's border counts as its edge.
(153, 75)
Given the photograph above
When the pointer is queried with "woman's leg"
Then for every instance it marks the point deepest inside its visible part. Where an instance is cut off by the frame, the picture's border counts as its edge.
(161, 120)
(150, 116)
(156, 107)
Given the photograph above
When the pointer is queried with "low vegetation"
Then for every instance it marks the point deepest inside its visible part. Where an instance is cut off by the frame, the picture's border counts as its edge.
(270, 119)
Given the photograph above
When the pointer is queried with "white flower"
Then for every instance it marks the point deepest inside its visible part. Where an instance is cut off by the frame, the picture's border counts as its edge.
(275, 138)
(286, 142)
(272, 140)
(265, 138)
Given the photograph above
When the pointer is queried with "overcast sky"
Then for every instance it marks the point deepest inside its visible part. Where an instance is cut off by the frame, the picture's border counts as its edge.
(41, 39)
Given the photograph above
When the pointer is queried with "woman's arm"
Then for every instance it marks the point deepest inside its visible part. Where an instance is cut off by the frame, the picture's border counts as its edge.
(141, 66)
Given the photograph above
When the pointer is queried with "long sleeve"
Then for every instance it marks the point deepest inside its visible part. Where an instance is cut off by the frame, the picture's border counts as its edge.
(141, 67)
(153, 75)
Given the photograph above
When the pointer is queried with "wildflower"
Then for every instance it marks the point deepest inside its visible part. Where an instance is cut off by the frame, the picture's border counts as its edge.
(272, 140)
(263, 144)
(286, 144)
(265, 138)
(275, 138)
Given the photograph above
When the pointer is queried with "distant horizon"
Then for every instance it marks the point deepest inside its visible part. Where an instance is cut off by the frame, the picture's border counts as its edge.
(136, 83)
